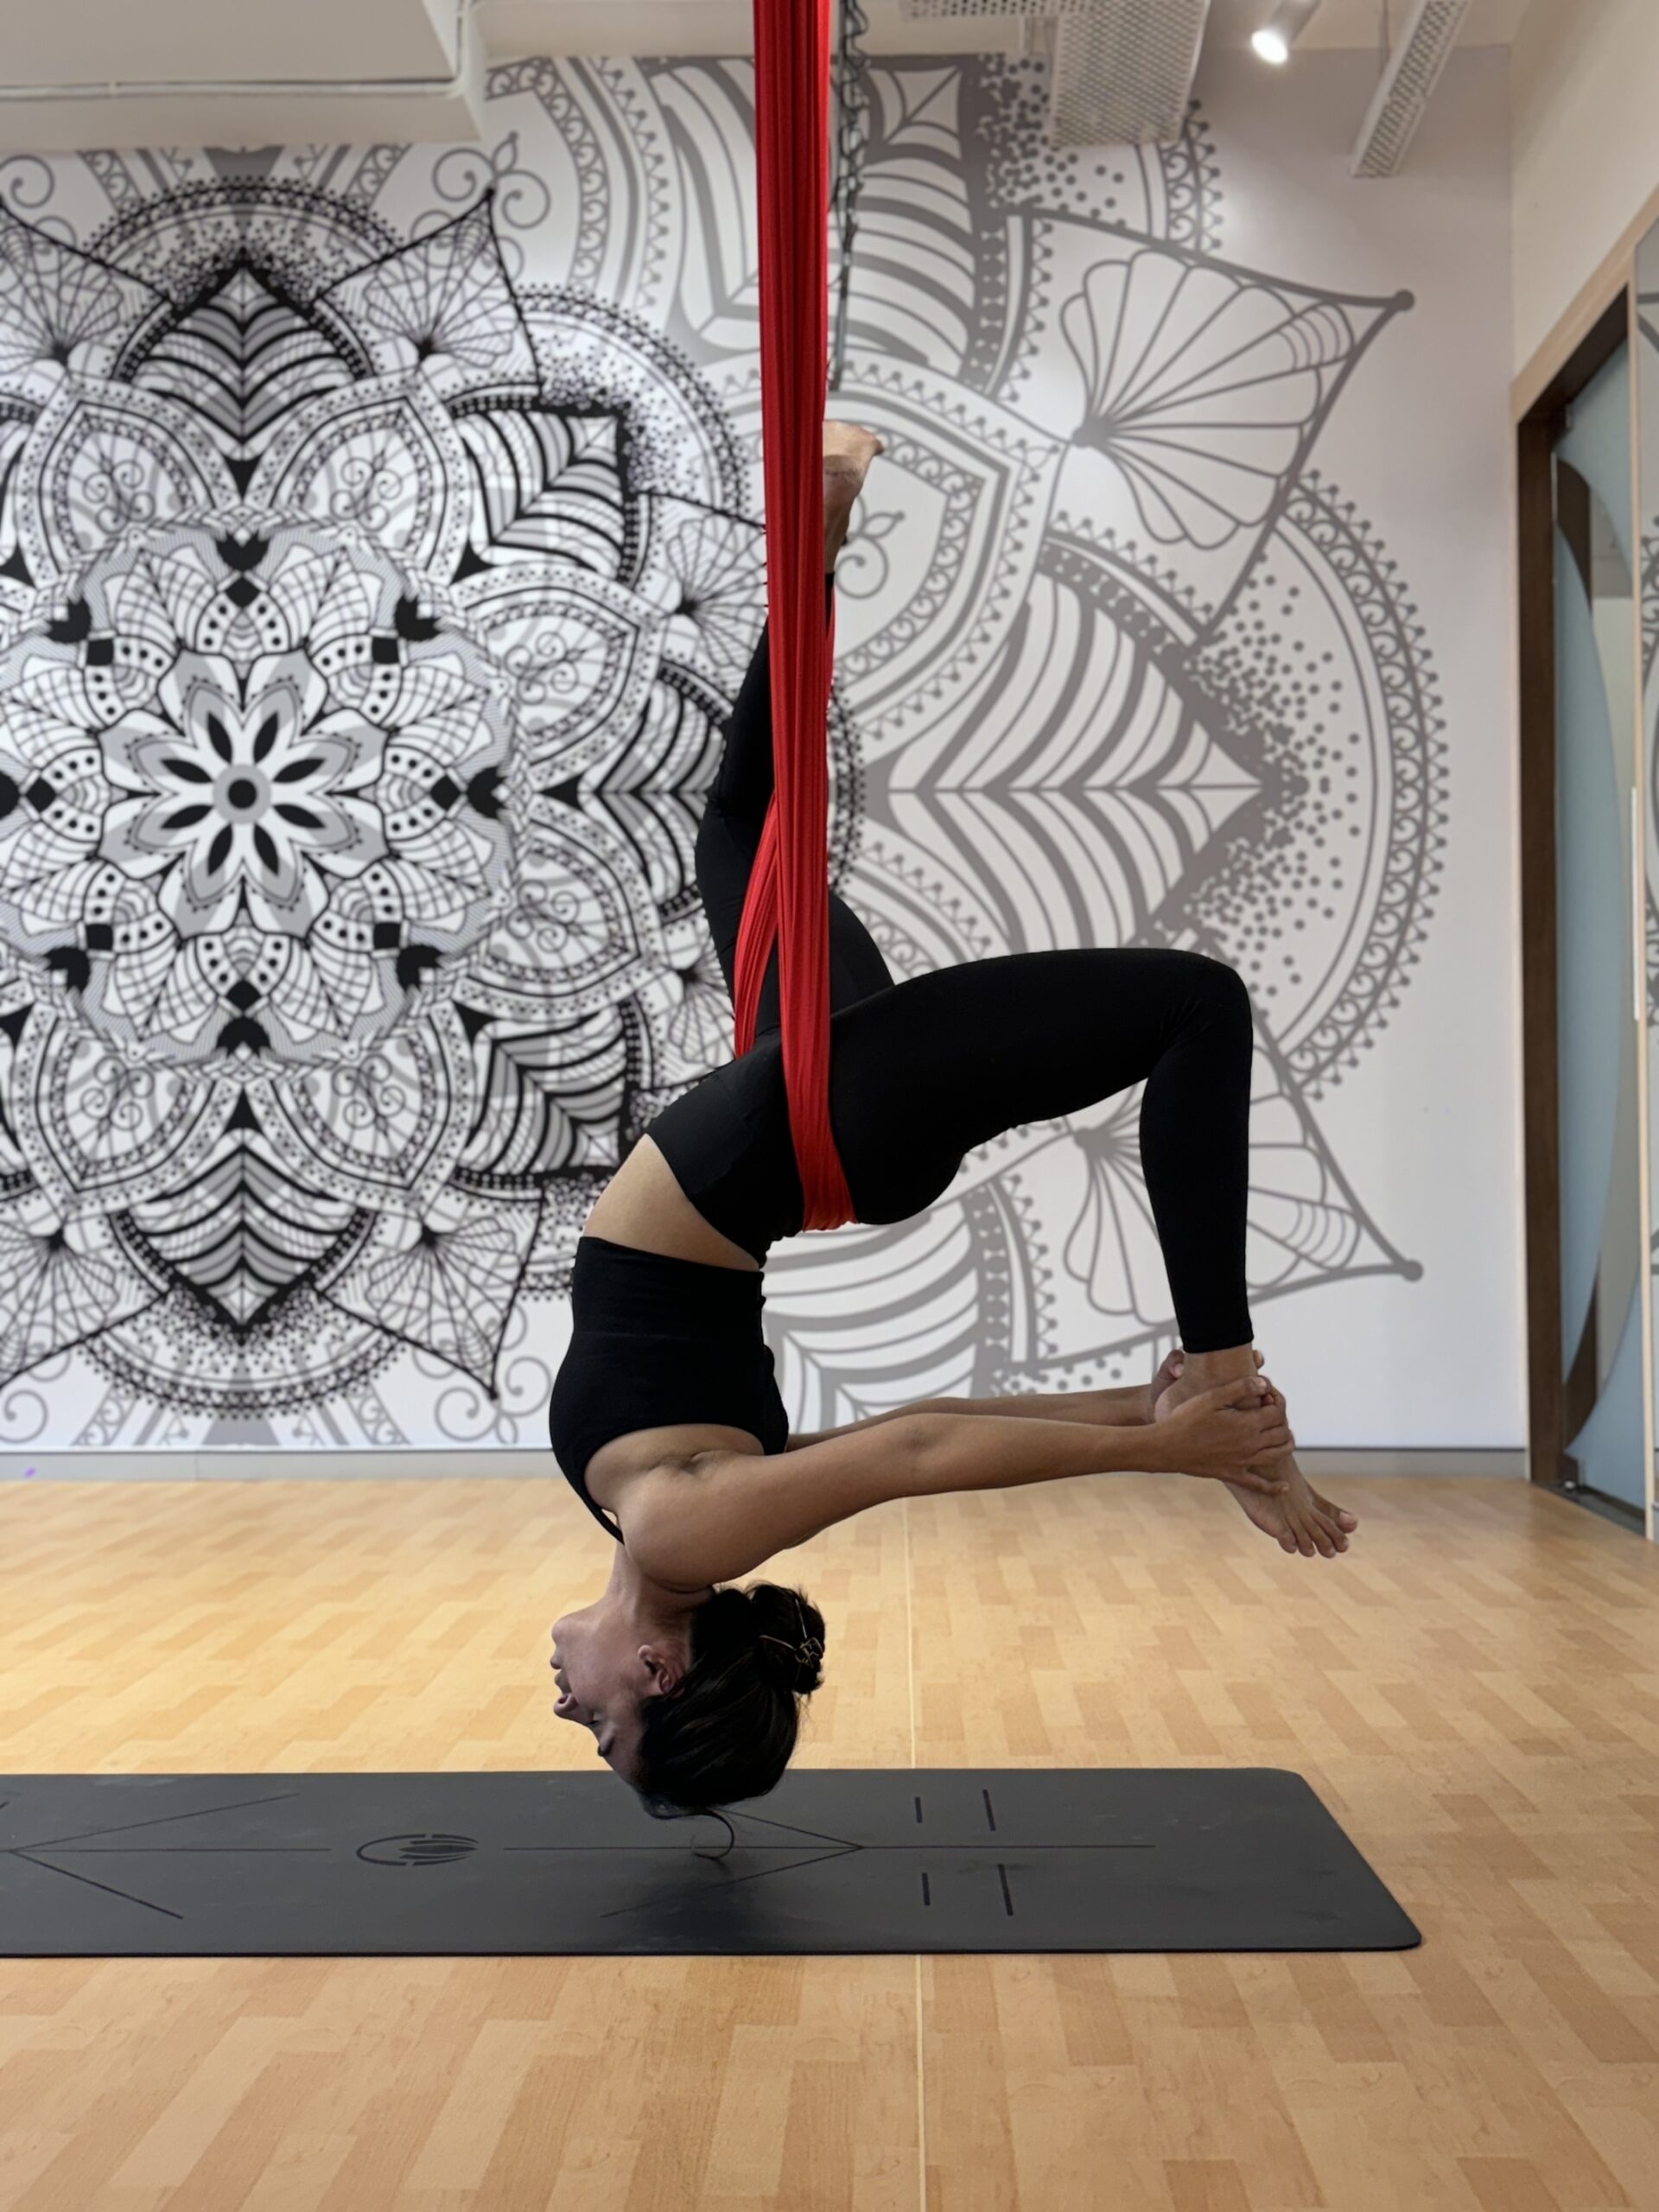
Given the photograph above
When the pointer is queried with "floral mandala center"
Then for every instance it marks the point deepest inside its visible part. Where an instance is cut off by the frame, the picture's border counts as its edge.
(256, 792)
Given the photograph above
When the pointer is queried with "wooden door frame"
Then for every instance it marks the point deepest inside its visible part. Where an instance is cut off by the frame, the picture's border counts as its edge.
(1540, 407)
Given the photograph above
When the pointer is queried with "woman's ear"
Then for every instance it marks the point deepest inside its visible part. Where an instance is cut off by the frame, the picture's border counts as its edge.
(666, 1666)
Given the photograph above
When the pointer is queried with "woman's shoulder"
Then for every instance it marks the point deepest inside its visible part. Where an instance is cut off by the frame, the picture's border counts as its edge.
(660, 1457)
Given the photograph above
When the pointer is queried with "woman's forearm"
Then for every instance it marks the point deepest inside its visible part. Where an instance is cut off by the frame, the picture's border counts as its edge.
(1126, 1407)
(1118, 1409)
(957, 1451)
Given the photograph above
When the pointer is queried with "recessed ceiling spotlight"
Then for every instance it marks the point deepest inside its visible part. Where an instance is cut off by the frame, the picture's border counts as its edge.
(1282, 30)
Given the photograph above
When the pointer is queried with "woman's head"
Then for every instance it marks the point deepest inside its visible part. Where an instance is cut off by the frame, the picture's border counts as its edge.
(693, 1700)
(728, 1729)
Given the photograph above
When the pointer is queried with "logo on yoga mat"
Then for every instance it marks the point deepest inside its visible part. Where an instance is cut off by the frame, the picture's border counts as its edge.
(417, 1850)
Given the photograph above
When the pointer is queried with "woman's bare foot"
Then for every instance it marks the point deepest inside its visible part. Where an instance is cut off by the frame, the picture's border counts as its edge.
(848, 451)
(1300, 1519)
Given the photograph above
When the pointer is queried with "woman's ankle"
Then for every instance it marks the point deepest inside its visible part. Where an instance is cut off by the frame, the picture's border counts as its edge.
(1207, 1369)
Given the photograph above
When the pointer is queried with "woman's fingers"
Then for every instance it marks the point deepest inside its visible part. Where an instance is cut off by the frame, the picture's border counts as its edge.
(1269, 1433)
(1243, 1390)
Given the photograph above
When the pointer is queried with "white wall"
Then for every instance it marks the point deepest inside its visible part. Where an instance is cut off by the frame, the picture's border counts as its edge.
(1585, 83)
(1189, 519)
(1430, 1120)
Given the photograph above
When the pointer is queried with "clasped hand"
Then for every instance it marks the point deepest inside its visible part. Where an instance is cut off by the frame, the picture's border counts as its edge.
(1229, 1434)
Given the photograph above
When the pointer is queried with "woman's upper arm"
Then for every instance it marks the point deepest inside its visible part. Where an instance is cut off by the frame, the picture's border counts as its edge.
(738, 1509)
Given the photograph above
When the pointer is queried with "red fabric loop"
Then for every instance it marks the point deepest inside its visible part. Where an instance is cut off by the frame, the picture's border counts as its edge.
(788, 897)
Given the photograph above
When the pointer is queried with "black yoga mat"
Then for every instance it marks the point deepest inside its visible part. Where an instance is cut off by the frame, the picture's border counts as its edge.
(929, 1860)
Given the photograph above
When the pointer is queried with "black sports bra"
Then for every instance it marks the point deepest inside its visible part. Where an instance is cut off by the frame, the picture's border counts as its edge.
(657, 1343)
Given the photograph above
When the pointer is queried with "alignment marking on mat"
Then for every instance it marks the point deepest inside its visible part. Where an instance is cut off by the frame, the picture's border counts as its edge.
(759, 1820)
(685, 1903)
(842, 1848)
(70, 1875)
(161, 1820)
(989, 1814)
(692, 1850)
(1007, 1900)
(789, 1828)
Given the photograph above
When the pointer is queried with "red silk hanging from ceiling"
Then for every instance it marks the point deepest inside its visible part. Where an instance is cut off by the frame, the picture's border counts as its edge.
(788, 899)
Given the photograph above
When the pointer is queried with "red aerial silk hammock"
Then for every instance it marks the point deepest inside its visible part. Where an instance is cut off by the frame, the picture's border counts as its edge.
(788, 900)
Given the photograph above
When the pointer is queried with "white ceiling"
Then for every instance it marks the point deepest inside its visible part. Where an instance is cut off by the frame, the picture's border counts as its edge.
(123, 72)
(723, 26)
(75, 41)
(149, 41)
(1356, 22)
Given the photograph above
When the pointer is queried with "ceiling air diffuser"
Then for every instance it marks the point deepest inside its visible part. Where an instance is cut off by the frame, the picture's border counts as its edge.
(1407, 84)
(1121, 71)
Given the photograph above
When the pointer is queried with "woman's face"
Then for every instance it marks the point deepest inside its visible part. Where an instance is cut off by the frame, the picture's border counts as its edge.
(604, 1670)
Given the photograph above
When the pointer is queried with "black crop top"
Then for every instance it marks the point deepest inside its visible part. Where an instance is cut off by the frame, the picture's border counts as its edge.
(656, 1342)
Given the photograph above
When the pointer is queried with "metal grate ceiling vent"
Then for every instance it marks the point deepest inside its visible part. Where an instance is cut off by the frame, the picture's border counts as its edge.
(930, 10)
(1122, 69)
(1407, 86)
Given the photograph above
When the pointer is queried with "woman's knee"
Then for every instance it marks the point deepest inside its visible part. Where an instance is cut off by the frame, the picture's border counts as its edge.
(1216, 989)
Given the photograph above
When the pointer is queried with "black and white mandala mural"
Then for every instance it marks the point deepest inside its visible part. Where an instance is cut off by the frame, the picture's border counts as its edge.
(379, 555)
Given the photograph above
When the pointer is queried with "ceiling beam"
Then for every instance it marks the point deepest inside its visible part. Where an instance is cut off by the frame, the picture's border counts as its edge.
(439, 98)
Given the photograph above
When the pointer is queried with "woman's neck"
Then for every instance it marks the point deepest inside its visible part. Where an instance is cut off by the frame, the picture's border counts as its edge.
(651, 1605)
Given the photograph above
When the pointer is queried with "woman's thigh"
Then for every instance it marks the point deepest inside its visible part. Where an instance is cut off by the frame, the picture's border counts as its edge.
(725, 857)
(923, 1072)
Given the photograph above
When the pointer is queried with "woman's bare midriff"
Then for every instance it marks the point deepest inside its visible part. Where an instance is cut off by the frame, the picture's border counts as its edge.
(644, 1206)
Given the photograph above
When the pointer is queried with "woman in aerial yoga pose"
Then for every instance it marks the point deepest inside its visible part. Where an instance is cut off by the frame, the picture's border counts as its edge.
(853, 1097)
(666, 1416)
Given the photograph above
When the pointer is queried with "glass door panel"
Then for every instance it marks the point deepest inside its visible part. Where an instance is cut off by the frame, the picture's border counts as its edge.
(1647, 356)
(1602, 1238)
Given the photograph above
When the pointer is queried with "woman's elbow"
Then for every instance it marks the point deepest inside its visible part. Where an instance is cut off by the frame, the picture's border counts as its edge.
(919, 1453)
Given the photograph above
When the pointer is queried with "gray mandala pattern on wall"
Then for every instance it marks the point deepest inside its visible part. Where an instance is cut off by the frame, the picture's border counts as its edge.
(378, 557)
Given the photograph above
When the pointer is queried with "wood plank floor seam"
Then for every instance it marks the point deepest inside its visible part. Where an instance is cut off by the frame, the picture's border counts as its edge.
(1474, 1692)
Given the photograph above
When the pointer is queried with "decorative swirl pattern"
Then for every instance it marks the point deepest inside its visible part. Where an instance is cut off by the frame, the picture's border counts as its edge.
(378, 561)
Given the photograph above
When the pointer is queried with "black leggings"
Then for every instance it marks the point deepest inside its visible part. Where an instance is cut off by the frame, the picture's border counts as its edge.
(922, 1071)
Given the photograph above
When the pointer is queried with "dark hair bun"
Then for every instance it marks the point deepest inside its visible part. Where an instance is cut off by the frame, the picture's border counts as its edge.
(789, 1636)
(729, 1730)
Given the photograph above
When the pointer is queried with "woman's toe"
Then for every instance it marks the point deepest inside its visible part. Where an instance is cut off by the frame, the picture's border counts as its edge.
(1325, 1522)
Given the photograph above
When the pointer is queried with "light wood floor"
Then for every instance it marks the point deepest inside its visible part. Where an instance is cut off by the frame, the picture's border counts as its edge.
(1474, 1691)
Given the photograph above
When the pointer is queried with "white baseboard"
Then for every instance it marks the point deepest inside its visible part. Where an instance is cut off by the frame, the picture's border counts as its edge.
(1458, 1460)
(537, 1465)
(254, 1466)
